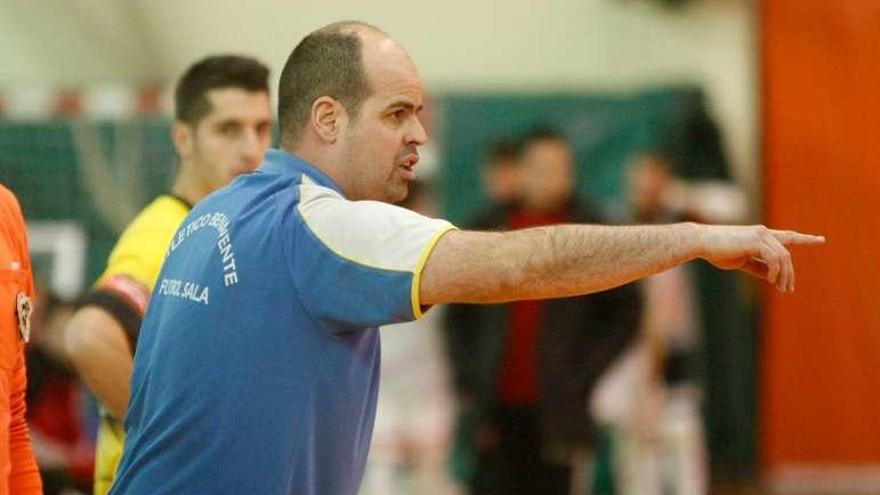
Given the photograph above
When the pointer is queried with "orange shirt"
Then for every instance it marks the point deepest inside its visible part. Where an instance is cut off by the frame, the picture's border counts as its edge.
(18, 468)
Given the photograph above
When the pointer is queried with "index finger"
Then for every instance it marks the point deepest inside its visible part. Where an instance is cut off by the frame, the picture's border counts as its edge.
(792, 237)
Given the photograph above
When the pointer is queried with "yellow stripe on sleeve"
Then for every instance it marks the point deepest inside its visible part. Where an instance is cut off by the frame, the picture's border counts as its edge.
(417, 273)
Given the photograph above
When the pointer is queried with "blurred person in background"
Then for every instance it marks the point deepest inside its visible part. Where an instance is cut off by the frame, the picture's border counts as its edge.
(223, 123)
(18, 468)
(57, 402)
(531, 365)
(500, 173)
(502, 185)
(657, 195)
(651, 399)
(411, 434)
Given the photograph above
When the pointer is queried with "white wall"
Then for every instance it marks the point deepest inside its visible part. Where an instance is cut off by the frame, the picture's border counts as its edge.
(472, 45)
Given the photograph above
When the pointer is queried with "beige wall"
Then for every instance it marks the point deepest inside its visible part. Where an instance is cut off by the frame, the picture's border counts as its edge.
(472, 45)
(61, 43)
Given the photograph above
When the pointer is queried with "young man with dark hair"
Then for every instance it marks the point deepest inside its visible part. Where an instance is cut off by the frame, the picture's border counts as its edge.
(222, 127)
(257, 368)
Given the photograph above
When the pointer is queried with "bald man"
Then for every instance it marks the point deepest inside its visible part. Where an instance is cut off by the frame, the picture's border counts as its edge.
(257, 364)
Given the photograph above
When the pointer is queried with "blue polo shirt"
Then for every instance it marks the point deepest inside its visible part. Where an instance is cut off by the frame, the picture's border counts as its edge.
(257, 365)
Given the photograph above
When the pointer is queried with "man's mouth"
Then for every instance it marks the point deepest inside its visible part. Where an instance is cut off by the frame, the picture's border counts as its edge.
(408, 164)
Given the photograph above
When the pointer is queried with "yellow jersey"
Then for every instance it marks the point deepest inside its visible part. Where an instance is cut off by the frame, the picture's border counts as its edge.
(124, 290)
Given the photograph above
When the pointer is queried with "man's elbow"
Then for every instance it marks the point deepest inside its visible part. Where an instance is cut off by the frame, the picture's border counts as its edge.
(91, 334)
(78, 339)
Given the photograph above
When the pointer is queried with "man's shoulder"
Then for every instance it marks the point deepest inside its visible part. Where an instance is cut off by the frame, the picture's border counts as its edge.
(12, 218)
(309, 191)
(251, 191)
(8, 199)
(164, 213)
(141, 247)
(154, 225)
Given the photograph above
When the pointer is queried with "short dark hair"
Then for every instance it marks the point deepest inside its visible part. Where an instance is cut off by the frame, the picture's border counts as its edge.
(216, 72)
(542, 133)
(327, 62)
(502, 151)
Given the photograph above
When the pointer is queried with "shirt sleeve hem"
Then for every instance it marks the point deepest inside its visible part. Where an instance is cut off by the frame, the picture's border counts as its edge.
(417, 309)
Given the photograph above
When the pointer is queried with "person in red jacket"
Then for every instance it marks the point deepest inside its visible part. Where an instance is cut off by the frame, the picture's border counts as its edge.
(18, 467)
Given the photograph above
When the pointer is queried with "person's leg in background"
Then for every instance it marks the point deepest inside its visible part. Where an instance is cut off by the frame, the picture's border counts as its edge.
(518, 464)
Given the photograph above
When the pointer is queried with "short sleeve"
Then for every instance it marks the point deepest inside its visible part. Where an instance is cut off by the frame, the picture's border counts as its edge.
(358, 264)
(123, 290)
(137, 255)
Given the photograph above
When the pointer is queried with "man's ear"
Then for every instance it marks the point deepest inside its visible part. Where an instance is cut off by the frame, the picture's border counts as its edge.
(328, 118)
(182, 137)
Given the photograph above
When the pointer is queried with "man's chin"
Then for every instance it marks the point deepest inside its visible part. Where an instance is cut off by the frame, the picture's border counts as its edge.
(398, 194)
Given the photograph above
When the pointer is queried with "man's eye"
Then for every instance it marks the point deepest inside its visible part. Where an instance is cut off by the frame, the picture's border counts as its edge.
(399, 115)
(228, 129)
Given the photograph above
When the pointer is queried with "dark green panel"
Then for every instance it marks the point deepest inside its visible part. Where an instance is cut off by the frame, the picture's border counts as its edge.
(42, 163)
(606, 130)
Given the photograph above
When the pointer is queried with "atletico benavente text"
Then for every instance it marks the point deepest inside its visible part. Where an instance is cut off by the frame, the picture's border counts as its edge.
(219, 222)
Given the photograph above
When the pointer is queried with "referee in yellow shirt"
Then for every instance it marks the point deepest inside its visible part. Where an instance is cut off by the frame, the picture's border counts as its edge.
(222, 128)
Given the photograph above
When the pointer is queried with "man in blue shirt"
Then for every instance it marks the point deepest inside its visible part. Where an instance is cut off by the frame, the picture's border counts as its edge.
(257, 365)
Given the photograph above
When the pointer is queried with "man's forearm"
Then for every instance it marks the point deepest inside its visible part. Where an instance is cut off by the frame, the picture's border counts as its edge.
(568, 260)
(546, 262)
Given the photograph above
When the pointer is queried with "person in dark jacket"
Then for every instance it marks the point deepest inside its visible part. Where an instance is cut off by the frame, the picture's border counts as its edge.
(524, 371)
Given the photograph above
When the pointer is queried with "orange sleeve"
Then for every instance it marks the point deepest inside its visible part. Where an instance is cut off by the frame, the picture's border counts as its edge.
(24, 475)
(24, 478)
(15, 235)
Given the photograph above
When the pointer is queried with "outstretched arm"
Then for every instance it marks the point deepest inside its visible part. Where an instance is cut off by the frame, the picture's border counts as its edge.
(567, 260)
